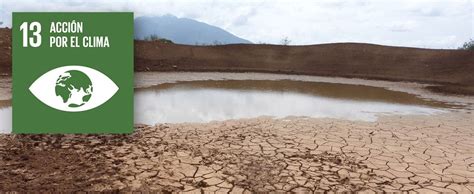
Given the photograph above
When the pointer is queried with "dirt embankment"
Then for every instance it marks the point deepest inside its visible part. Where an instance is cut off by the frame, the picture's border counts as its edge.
(5, 50)
(453, 68)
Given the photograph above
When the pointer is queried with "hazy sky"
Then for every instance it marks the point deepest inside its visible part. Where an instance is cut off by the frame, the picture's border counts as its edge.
(419, 23)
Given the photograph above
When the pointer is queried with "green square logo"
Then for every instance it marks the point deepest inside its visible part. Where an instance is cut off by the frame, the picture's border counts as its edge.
(72, 72)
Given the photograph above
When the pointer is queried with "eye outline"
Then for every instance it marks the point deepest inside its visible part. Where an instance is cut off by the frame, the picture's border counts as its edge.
(103, 88)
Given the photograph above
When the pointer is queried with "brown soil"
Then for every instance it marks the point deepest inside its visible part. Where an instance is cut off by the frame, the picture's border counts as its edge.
(422, 154)
(35, 163)
(452, 89)
(452, 68)
(5, 50)
(335, 60)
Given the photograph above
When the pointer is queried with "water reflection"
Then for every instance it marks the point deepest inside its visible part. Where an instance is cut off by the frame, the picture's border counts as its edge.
(204, 101)
(5, 116)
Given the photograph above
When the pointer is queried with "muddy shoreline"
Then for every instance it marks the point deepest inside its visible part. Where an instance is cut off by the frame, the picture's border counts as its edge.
(148, 79)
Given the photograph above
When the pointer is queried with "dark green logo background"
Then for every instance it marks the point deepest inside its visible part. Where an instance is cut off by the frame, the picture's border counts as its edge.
(30, 115)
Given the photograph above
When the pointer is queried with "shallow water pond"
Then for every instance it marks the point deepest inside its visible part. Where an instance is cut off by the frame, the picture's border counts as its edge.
(204, 101)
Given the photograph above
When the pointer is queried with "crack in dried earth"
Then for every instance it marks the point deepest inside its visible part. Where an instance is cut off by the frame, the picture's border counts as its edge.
(396, 153)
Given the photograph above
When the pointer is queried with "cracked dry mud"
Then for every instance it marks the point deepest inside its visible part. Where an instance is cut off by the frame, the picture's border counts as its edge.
(397, 153)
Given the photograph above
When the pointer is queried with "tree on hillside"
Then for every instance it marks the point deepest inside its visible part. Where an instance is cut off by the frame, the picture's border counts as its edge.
(152, 37)
(216, 42)
(285, 41)
(155, 37)
(469, 45)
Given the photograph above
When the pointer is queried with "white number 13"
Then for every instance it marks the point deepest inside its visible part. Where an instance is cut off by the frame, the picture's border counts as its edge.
(34, 41)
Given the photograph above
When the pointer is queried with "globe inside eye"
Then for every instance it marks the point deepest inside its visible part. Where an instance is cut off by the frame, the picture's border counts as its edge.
(73, 88)
(78, 88)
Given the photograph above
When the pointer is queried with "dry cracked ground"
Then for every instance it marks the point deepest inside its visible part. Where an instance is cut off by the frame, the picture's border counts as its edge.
(423, 154)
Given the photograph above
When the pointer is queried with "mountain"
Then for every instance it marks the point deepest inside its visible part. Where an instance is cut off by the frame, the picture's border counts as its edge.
(183, 31)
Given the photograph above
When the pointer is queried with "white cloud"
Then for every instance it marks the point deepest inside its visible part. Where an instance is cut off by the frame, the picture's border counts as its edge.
(421, 23)
(402, 26)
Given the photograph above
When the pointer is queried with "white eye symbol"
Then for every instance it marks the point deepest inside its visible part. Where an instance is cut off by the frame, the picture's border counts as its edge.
(73, 88)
